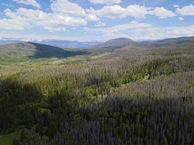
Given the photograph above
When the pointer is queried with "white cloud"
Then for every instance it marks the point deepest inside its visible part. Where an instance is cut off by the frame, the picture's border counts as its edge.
(142, 31)
(100, 24)
(186, 10)
(155, 33)
(28, 2)
(66, 8)
(115, 30)
(133, 30)
(49, 21)
(35, 36)
(136, 11)
(91, 17)
(181, 18)
(116, 11)
(176, 6)
(162, 12)
(107, 2)
(11, 24)
(64, 14)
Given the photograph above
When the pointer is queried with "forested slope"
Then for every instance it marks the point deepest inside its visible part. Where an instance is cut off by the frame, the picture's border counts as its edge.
(33, 52)
(130, 96)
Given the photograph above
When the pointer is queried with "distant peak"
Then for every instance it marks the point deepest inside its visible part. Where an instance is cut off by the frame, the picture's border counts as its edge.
(116, 43)
(121, 39)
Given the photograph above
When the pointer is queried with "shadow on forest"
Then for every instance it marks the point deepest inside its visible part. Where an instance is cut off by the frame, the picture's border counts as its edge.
(100, 123)
(18, 104)
(47, 51)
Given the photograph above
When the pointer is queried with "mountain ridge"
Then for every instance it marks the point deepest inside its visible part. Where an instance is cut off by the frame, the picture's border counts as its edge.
(110, 45)
(115, 43)
(53, 42)
(36, 50)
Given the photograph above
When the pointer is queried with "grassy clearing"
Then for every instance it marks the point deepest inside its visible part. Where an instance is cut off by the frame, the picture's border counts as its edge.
(8, 138)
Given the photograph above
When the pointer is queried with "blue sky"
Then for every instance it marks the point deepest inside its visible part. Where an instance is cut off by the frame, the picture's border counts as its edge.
(88, 20)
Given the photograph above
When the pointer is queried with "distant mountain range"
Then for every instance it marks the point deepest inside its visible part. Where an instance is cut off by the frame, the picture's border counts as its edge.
(69, 44)
(8, 41)
(108, 45)
(56, 43)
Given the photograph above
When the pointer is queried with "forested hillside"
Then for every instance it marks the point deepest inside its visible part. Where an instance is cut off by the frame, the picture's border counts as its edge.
(133, 95)
(34, 52)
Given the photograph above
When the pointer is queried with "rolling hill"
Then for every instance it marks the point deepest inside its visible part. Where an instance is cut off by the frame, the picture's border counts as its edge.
(180, 40)
(170, 42)
(36, 50)
(29, 51)
(115, 43)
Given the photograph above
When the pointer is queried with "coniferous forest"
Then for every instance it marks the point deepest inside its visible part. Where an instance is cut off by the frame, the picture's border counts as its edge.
(140, 94)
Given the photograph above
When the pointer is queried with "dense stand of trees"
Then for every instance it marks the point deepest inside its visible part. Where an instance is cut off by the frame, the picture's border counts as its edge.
(138, 97)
